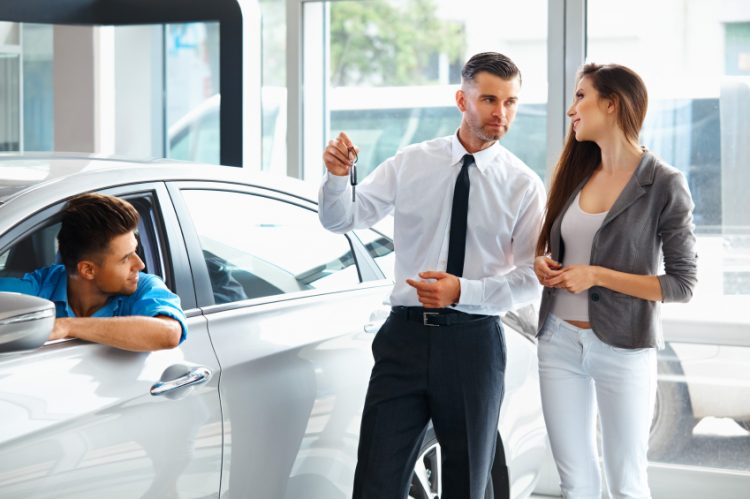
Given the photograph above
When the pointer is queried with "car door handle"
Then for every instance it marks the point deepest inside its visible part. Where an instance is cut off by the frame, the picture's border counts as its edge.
(373, 327)
(195, 376)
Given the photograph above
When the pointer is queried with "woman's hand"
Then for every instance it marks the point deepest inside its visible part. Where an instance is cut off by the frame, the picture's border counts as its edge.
(546, 268)
(574, 278)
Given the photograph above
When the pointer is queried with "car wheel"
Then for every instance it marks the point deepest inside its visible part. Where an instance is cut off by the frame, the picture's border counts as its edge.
(426, 481)
(673, 421)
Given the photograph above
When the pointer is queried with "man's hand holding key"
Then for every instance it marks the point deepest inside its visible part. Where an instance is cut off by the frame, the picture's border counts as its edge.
(340, 155)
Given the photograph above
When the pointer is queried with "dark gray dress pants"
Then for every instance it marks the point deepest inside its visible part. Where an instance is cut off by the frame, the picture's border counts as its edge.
(452, 375)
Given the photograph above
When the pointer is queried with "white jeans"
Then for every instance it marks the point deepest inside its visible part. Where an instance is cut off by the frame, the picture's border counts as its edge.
(579, 374)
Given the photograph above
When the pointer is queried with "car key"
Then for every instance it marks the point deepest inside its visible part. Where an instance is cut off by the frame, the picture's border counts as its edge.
(353, 173)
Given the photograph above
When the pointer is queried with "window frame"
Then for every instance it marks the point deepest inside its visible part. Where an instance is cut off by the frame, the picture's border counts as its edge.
(166, 230)
(154, 225)
(162, 226)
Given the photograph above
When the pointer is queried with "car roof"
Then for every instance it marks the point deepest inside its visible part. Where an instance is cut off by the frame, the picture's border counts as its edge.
(26, 172)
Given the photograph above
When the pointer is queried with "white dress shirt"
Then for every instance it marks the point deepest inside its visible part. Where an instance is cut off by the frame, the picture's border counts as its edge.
(506, 201)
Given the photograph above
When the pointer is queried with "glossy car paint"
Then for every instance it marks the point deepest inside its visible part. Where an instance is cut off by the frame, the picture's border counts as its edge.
(78, 420)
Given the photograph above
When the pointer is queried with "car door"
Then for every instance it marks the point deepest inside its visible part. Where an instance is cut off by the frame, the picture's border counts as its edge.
(78, 419)
(287, 303)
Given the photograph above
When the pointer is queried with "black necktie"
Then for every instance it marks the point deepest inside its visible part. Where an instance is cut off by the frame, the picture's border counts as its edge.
(457, 236)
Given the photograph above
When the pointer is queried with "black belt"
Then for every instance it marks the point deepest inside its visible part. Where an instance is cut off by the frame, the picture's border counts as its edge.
(436, 316)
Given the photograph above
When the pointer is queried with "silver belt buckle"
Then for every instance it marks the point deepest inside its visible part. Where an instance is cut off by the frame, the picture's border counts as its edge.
(425, 319)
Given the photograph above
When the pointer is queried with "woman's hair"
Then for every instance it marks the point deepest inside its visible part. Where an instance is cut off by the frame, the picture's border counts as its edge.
(579, 159)
(89, 222)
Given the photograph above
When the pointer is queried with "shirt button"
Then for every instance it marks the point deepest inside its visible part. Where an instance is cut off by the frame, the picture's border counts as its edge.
(594, 296)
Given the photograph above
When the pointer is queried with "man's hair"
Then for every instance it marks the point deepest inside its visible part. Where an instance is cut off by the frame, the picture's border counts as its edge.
(491, 62)
(89, 222)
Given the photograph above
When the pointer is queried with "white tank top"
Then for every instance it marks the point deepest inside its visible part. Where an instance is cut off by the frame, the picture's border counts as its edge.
(577, 229)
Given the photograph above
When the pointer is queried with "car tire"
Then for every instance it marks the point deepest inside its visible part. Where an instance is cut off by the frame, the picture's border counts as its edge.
(673, 422)
(426, 481)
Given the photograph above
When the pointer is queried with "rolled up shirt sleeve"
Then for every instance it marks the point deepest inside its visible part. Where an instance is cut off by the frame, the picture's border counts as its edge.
(677, 233)
(153, 299)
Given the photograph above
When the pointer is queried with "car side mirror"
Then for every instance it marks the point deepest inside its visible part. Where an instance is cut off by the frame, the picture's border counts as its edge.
(25, 322)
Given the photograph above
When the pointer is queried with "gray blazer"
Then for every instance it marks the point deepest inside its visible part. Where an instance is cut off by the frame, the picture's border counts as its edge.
(653, 212)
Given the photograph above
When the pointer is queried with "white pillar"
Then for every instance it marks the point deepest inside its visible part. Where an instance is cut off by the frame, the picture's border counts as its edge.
(74, 89)
(138, 91)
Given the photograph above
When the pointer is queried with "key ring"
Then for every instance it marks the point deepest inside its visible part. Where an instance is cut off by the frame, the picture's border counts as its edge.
(353, 172)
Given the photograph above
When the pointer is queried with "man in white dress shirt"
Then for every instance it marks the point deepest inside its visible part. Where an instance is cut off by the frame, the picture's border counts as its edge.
(467, 214)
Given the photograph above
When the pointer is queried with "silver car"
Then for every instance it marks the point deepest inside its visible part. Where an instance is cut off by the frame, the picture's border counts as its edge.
(263, 399)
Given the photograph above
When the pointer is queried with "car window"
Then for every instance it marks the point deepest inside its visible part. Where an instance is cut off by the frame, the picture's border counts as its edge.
(380, 247)
(266, 247)
(149, 247)
(38, 248)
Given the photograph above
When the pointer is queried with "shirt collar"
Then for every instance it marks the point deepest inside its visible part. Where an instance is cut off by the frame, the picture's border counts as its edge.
(59, 295)
(481, 158)
(60, 292)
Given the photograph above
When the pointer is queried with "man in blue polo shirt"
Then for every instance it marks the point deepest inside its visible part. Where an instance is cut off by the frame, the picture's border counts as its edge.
(99, 291)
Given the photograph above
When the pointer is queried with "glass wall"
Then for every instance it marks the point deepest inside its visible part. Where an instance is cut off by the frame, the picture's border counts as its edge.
(273, 86)
(694, 56)
(388, 70)
(192, 91)
(38, 92)
(10, 96)
(137, 91)
(193, 100)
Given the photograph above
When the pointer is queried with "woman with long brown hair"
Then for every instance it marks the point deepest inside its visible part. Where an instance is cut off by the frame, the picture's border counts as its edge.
(613, 209)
